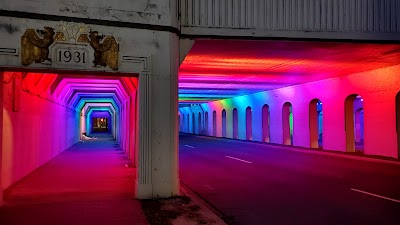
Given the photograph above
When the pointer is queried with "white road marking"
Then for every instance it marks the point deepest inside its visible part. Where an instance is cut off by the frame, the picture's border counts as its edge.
(209, 187)
(189, 146)
(237, 159)
(375, 195)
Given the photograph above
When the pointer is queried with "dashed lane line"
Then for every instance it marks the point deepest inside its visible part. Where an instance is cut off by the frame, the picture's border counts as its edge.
(227, 156)
(189, 146)
(375, 195)
(209, 187)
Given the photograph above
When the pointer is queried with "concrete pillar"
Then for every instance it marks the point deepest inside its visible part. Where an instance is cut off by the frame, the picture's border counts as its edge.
(1, 136)
(144, 186)
(157, 169)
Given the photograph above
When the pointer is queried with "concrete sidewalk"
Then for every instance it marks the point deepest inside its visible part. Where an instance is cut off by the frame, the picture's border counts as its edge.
(87, 184)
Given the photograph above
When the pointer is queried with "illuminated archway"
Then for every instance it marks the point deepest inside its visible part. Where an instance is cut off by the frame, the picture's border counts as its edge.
(315, 121)
(287, 123)
(354, 122)
(182, 123)
(200, 125)
(206, 123)
(249, 125)
(224, 123)
(235, 130)
(188, 124)
(193, 124)
(265, 123)
(214, 123)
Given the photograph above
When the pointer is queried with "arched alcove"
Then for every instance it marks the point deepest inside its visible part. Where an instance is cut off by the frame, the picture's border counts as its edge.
(183, 123)
(354, 123)
(287, 123)
(206, 123)
(188, 124)
(193, 123)
(398, 122)
(265, 123)
(315, 122)
(235, 127)
(224, 123)
(179, 123)
(249, 124)
(214, 123)
(200, 125)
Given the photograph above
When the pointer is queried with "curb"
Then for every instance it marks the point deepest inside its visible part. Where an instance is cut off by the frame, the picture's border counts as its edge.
(209, 211)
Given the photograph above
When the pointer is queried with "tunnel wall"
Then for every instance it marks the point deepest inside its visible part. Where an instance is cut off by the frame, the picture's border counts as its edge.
(33, 135)
(378, 89)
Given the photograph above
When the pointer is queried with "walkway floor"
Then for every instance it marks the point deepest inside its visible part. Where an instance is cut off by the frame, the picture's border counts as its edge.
(85, 185)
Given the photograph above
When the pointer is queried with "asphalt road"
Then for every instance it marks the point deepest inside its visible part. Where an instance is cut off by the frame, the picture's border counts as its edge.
(264, 184)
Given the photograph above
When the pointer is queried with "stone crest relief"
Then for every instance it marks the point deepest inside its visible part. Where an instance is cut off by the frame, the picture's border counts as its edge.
(70, 44)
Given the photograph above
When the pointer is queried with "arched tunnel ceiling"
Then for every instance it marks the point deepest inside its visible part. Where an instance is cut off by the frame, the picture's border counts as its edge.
(76, 91)
(219, 69)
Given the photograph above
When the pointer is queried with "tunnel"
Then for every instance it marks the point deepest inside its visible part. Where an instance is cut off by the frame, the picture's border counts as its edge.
(326, 95)
(47, 113)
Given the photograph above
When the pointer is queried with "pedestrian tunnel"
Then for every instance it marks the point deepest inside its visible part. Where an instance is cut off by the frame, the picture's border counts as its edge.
(46, 113)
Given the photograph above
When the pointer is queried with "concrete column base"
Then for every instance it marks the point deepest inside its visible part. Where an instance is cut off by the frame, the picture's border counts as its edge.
(143, 191)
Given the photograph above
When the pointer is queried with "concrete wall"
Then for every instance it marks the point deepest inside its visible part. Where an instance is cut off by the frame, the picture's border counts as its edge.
(34, 134)
(378, 89)
(332, 19)
(157, 12)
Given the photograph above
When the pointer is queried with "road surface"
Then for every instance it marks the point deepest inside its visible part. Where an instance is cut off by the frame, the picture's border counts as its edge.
(264, 184)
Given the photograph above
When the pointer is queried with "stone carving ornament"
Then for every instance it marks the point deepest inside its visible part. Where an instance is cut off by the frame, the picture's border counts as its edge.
(34, 48)
(35, 44)
(106, 52)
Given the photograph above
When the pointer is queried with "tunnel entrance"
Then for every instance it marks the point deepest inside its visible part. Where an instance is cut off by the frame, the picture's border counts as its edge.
(315, 121)
(45, 117)
(287, 124)
(354, 123)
